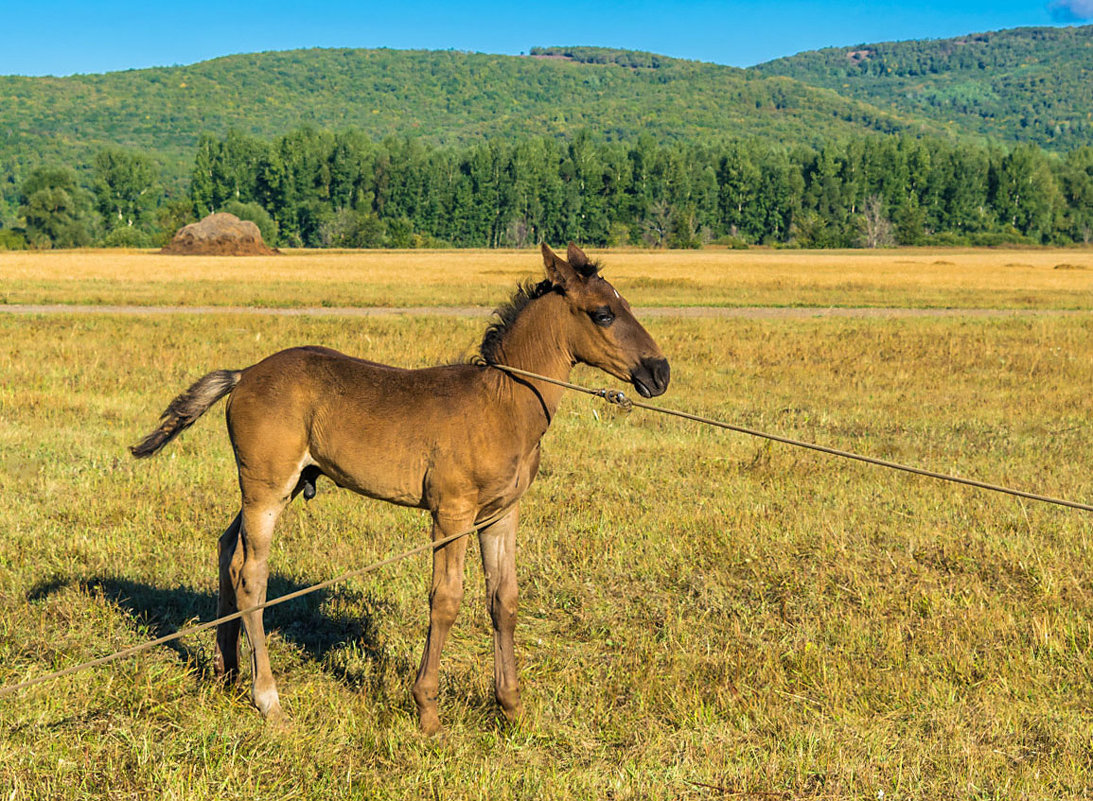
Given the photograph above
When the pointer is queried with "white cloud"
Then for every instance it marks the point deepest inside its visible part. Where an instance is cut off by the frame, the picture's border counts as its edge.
(1071, 10)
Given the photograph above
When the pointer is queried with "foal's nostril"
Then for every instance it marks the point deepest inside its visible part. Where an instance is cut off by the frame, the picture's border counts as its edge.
(662, 374)
(651, 379)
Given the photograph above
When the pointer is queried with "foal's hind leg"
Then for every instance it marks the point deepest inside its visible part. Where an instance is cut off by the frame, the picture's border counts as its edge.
(226, 654)
(260, 513)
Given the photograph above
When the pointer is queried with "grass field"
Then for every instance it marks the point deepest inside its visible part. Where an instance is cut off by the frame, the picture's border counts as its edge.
(697, 608)
(918, 277)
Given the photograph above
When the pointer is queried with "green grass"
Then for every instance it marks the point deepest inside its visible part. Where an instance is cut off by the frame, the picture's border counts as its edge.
(696, 606)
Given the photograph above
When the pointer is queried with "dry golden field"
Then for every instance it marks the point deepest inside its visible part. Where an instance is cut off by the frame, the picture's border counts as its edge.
(1060, 278)
(703, 616)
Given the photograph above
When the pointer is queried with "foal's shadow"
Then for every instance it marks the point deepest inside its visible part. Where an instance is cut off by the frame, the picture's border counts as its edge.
(300, 621)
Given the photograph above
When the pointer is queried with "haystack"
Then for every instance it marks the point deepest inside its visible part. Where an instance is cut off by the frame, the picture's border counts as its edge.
(219, 234)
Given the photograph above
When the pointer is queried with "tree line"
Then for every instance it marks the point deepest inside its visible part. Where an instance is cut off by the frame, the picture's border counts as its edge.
(317, 188)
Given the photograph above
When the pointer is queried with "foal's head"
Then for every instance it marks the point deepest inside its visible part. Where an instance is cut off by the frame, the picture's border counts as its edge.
(600, 327)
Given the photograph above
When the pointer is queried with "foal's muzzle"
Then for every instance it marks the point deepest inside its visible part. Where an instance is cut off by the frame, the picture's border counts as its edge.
(650, 378)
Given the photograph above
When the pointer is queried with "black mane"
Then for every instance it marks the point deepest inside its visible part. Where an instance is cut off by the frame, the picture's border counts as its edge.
(506, 313)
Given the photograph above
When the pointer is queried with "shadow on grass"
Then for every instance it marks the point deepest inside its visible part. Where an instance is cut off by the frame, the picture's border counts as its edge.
(323, 636)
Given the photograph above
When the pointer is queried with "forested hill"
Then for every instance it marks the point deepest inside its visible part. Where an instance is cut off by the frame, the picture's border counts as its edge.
(360, 148)
(442, 97)
(1023, 84)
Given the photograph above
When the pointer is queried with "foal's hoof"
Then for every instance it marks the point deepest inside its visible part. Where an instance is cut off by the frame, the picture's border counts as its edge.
(277, 720)
(224, 672)
(512, 718)
(429, 723)
(511, 708)
(269, 705)
(513, 714)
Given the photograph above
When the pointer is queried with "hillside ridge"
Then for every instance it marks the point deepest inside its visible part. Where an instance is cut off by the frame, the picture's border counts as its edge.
(1014, 85)
(443, 97)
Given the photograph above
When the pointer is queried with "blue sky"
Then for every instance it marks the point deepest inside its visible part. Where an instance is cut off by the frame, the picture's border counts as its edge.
(60, 37)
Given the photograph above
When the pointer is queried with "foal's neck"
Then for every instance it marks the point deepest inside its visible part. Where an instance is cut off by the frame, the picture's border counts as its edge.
(537, 342)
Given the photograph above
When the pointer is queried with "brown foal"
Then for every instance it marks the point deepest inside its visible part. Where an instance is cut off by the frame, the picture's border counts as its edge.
(461, 441)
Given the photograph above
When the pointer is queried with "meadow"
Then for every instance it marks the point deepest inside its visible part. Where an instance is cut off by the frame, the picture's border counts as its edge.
(920, 278)
(703, 615)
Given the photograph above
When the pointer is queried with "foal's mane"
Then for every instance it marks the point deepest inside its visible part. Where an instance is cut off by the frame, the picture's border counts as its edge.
(506, 314)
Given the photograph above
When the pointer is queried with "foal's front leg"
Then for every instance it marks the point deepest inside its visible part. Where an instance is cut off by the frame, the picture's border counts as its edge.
(445, 595)
(498, 545)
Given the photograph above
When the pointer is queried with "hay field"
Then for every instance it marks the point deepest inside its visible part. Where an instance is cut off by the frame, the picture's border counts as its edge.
(697, 608)
(913, 277)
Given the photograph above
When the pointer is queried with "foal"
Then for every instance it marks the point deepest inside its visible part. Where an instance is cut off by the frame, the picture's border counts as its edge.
(461, 441)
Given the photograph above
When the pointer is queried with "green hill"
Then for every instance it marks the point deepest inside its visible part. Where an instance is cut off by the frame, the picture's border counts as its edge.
(575, 142)
(445, 97)
(1023, 84)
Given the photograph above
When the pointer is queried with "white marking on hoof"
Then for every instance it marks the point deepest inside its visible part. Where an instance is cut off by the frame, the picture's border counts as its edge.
(269, 704)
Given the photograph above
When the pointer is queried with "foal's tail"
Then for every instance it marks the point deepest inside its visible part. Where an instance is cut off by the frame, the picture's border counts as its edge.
(185, 409)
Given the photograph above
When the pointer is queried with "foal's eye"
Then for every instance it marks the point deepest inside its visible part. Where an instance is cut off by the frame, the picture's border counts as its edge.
(602, 316)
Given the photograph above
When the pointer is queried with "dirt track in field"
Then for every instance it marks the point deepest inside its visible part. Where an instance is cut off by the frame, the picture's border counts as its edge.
(741, 312)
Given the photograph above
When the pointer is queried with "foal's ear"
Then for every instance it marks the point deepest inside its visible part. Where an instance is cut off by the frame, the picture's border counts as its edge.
(558, 270)
(580, 262)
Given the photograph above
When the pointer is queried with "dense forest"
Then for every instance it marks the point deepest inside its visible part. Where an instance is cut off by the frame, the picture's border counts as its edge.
(317, 188)
(441, 97)
(1025, 84)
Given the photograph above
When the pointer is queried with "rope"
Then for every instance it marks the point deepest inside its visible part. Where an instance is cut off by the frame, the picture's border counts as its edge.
(127, 652)
(616, 397)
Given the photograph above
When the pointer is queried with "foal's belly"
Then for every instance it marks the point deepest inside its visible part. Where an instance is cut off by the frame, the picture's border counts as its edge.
(393, 477)
(425, 475)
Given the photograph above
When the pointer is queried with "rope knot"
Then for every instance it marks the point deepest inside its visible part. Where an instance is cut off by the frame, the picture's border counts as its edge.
(618, 398)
